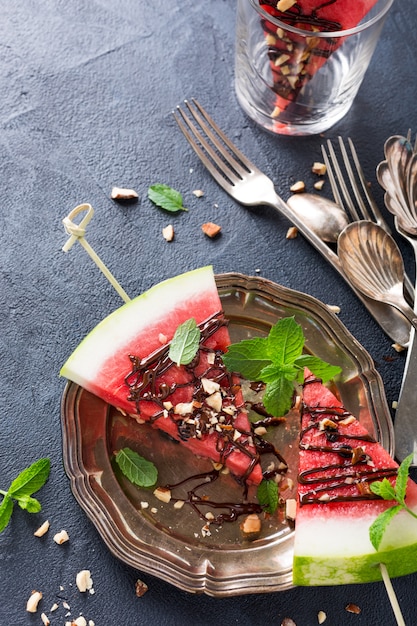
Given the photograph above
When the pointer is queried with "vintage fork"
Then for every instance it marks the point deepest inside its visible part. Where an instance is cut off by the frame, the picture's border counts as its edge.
(358, 202)
(250, 187)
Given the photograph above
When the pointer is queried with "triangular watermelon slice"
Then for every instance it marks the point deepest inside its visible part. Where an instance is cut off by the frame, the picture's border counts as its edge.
(338, 461)
(295, 59)
(124, 361)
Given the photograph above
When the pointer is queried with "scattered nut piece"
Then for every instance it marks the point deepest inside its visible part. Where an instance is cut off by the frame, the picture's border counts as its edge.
(140, 588)
(168, 232)
(119, 193)
(198, 193)
(395, 404)
(210, 385)
(319, 184)
(298, 187)
(260, 431)
(398, 347)
(61, 537)
(42, 529)
(334, 308)
(83, 580)
(276, 112)
(32, 603)
(54, 607)
(215, 401)
(319, 168)
(292, 232)
(284, 5)
(179, 504)
(251, 526)
(321, 617)
(287, 621)
(80, 621)
(290, 509)
(353, 608)
(163, 494)
(45, 619)
(210, 229)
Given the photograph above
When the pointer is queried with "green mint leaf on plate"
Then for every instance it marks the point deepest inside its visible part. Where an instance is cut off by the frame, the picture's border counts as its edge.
(185, 343)
(166, 198)
(378, 527)
(267, 494)
(248, 357)
(30, 479)
(278, 361)
(285, 341)
(138, 470)
(6, 510)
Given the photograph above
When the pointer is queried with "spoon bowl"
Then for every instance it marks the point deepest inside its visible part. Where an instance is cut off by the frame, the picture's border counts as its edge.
(321, 215)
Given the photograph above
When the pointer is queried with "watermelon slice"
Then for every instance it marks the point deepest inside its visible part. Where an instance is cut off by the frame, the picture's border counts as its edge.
(124, 361)
(338, 461)
(294, 59)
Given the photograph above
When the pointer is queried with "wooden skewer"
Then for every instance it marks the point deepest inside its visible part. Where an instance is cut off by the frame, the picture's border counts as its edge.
(77, 233)
(391, 595)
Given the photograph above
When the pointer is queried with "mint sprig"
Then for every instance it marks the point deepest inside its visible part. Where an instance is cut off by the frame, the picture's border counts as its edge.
(278, 361)
(166, 198)
(138, 470)
(185, 343)
(397, 492)
(21, 490)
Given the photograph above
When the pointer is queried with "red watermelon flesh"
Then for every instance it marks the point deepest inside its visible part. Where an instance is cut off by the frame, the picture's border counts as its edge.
(338, 461)
(294, 58)
(124, 361)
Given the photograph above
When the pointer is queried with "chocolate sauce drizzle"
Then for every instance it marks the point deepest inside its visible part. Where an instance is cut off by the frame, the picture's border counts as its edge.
(355, 469)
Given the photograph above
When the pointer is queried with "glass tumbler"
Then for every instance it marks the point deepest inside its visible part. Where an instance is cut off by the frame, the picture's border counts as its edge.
(298, 73)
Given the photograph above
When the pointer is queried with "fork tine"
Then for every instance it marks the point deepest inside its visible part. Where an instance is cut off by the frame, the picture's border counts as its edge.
(348, 202)
(365, 214)
(186, 126)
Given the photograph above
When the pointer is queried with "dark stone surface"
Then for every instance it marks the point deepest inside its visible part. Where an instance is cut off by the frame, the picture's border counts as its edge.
(87, 91)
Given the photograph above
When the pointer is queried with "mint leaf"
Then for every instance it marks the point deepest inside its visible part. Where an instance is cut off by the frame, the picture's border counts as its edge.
(271, 372)
(267, 494)
(285, 341)
(384, 489)
(6, 510)
(166, 198)
(278, 397)
(378, 527)
(138, 470)
(185, 343)
(402, 478)
(30, 479)
(29, 504)
(320, 368)
(248, 357)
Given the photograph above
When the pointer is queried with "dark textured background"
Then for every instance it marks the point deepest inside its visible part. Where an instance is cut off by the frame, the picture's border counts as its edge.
(86, 93)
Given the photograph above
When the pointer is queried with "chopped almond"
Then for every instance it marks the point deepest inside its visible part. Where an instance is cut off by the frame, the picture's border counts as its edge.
(298, 187)
(210, 229)
(319, 168)
(284, 5)
(168, 232)
(119, 193)
(292, 232)
(32, 603)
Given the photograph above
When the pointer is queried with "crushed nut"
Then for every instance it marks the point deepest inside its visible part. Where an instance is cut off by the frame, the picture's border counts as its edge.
(319, 169)
(83, 580)
(163, 494)
(168, 232)
(321, 617)
(284, 5)
(61, 537)
(251, 526)
(209, 385)
(398, 347)
(290, 509)
(32, 603)
(42, 529)
(210, 229)
(276, 112)
(119, 193)
(179, 504)
(353, 608)
(45, 619)
(287, 621)
(198, 193)
(298, 187)
(215, 401)
(394, 404)
(334, 308)
(292, 232)
(319, 184)
(140, 588)
(260, 431)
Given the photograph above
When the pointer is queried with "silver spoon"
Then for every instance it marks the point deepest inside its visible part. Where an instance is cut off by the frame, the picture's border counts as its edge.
(321, 215)
(372, 262)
